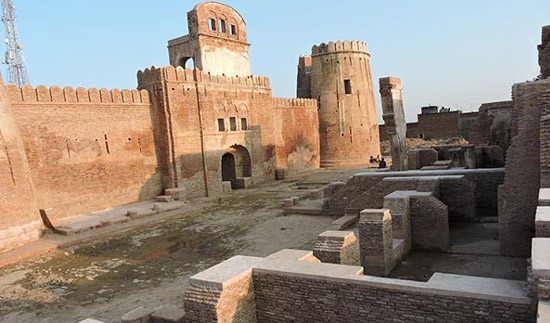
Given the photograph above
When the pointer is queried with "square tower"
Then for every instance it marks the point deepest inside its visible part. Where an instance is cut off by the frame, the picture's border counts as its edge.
(216, 42)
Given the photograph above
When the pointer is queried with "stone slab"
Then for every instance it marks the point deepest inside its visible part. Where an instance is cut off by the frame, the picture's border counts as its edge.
(505, 288)
(540, 257)
(168, 314)
(91, 321)
(336, 234)
(138, 315)
(544, 197)
(226, 272)
(543, 312)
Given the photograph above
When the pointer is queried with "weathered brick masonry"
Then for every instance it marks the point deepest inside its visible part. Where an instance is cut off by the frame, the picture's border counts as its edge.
(291, 298)
(87, 149)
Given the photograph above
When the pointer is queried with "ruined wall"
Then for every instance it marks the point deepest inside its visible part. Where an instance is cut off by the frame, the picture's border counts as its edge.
(303, 84)
(518, 197)
(297, 141)
(466, 122)
(87, 149)
(493, 126)
(20, 221)
(217, 41)
(439, 125)
(342, 82)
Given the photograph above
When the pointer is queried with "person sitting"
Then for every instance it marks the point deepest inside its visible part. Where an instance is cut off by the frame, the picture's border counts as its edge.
(382, 164)
(372, 160)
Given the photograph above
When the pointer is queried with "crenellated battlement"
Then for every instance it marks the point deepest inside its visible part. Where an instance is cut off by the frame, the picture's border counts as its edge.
(293, 103)
(178, 74)
(55, 94)
(340, 46)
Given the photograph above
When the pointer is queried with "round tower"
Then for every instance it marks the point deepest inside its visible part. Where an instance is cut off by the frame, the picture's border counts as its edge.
(342, 83)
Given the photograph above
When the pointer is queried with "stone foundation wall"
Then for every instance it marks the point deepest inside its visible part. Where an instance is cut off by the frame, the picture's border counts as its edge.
(292, 298)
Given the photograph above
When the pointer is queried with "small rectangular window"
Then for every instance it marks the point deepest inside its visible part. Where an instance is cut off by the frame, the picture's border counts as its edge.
(233, 29)
(222, 26)
(212, 24)
(244, 124)
(233, 124)
(347, 86)
(221, 125)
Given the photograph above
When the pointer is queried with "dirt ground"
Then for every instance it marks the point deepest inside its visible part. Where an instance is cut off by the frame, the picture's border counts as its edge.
(107, 277)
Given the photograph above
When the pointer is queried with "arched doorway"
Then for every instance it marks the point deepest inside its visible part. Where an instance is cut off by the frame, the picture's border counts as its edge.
(237, 167)
(229, 172)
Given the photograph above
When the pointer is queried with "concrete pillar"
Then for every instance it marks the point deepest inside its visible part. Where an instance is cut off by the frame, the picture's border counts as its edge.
(394, 119)
(337, 247)
(375, 242)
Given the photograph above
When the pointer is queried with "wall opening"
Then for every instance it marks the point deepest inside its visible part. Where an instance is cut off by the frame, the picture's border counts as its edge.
(347, 86)
(223, 28)
(229, 172)
(233, 124)
(236, 166)
(221, 124)
(233, 29)
(187, 62)
(244, 124)
(212, 24)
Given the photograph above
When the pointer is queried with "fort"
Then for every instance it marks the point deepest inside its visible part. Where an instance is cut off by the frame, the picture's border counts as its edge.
(203, 129)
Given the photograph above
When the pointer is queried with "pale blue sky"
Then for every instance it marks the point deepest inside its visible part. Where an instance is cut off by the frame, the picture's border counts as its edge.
(457, 54)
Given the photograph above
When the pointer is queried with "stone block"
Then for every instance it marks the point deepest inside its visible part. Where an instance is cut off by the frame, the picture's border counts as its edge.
(176, 193)
(164, 199)
(398, 203)
(138, 315)
(542, 222)
(376, 242)
(90, 321)
(168, 314)
(544, 197)
(295, 200)
(227, 186)
(289, 202)
(337, 247)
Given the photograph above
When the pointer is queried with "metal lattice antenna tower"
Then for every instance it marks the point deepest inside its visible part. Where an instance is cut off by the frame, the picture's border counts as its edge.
(17, 71)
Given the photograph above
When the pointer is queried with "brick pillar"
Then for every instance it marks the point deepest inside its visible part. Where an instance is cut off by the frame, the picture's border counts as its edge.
(337, 247)
(394, 119)
(398, 204)
(469, 156)
(375, 242)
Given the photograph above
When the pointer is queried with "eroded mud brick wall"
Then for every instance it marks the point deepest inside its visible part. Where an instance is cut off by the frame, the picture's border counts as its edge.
(298, 139)
(88, 149)
(439, 125)
(20, 221)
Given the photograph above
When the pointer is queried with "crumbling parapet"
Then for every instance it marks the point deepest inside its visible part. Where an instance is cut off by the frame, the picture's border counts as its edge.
(376, 242)
(337, 247)
(391, 91)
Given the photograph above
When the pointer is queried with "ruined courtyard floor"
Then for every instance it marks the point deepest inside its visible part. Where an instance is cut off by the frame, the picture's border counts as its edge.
(149, 264)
